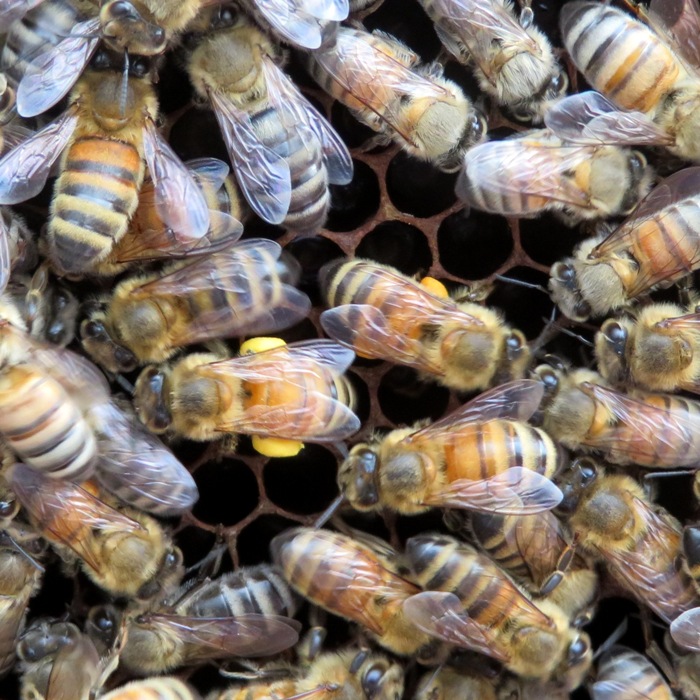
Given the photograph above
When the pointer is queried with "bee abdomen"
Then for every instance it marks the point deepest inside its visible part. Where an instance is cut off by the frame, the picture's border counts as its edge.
(44, 427)
(310, 201)
(96, 195)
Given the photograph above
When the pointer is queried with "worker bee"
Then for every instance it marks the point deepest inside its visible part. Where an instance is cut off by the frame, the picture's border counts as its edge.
(624, 674)
(653, 75)
(358, 580)
(123, 551)
(651, 430)
(295, 392)
(283, 151)
(446, 683)
(148, 238)
(640, 545)
(106, 143)
(655, 350)
(386, 87)
(513, 64)
(483, 457)
(57, 658)
(471, 603)
(154, 689)
(655, 246)
(537, 172)
(238, 291)
(382, 314)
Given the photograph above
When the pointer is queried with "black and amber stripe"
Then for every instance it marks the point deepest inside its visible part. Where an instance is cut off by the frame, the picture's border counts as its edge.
(633, 675)
(95, 197)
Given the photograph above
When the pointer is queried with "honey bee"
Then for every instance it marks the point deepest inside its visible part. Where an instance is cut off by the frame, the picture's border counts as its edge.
(295, 392)
(358, 580)
(471, 603)
(243, 614)
(124, 552)
(482, 457)
(56, 658)
(239, 291)
(284, 153)
(513, 64)
(655, 350)
(382, 314)
(652, 430)
(655, 246)
(386, 87)
(640, 545)
(624, 674)
(154, 689)
(148, 238)
(348, 674)
(11, 133)
(537, 172)
(652, 74)
(21, 551)
(446, 683)
(106, 143)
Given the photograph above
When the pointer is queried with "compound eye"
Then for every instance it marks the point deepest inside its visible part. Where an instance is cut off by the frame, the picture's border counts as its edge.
(582, 309)
(578, 650)
(587, 470)
(514, 345)
(565, 273)
(558, 84)
(550, 380)
(120, 9)
(372, 681)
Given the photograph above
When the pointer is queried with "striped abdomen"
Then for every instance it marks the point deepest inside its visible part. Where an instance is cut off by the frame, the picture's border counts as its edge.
(620, 57)
(631, 675)
(96, 195)
(43, 425)
(153, 689)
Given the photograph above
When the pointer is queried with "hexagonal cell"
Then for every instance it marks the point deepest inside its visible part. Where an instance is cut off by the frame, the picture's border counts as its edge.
(195, 544)
(362, 398)
(312, 253)
(303, 484)
(546, 239)
(254, 540)
(397, 244)
(416, 187)
(405, 399)
(228, 491)
(196, 134)
(352, 131)
(356, 202)
(475, 246)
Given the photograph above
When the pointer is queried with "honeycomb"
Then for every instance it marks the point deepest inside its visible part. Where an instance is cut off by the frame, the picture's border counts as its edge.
(398, 211)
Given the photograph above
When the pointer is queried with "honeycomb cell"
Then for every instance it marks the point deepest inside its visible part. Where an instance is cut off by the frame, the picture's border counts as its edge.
(303, 484)
(404, 398)
(228, 492)
(546, 239)
(356, 202)
(362, 396)
(253, 543)
(418, 188)
(475, 246)
(398, 244)
(353, 132)
(196, 135)
(195, 544)
(312, 254)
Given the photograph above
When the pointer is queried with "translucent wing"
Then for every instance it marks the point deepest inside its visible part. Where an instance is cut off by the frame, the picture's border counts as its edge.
(678, 22)
(180, 202)
(300, 115)
(137, 467)
(243, 635)
(65, 512)
(25, 169)
(75, 670)
(292, 22)
(537, 169)
(262, 174)
(516, 491)
(12, 10)
(516, 400)
(329, 10)
(617, 690)
(51, 75)
(5, 255)
(442, 615)
(588, 117)
(13, 135)
(213, 170)
(639, 439)
(685, 629)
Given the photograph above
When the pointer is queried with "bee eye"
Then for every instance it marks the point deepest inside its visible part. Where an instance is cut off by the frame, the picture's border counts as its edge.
(7, 508)
(564, 273)
(139, 67)
(616, 335)
(578, 650)
(514, 346)
(120, 9)
(587, 471)
(637, 164)
(93, 329)
(550, 380)
(582, 309)
(558, 84)
(372, 680)
(522, 114)
(477, 126)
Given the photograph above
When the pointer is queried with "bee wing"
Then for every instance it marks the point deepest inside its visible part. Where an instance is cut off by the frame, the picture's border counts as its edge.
(25, 169)
(678, 23)
(441, 615)
(292, 21)
(540, 541)
(516, 491)
(262, 174)
(13, 135)
(542, 170)
(12, 10)
(617, 690)
(588, 117)
(213, 170)
(180, 202)
(642, 437)
(298, 114)
(5, 255)
(244, 635)
(378, 339)
(685, 629)
(64, 508)
(368, 73)
(516, 400)
(75, 671)
(137, 467)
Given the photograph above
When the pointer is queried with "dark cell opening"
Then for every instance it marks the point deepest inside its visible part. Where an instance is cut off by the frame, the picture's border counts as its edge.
(474, 246)
(195, 544)
(228, 492)
(397, 244)
(362, 398)
(546, 239)
(312, 254)
(405, 399)
(352, 131)
(356, 202)
(254, 541)
(196, 135)
(416, 187)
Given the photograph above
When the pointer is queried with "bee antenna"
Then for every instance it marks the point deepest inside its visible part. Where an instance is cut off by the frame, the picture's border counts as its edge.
(125, 85)
(521, 283)
(615, 636)
(329, 512)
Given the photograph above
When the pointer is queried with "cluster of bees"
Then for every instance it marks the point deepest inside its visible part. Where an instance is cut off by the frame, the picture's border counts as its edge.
(536, 478)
